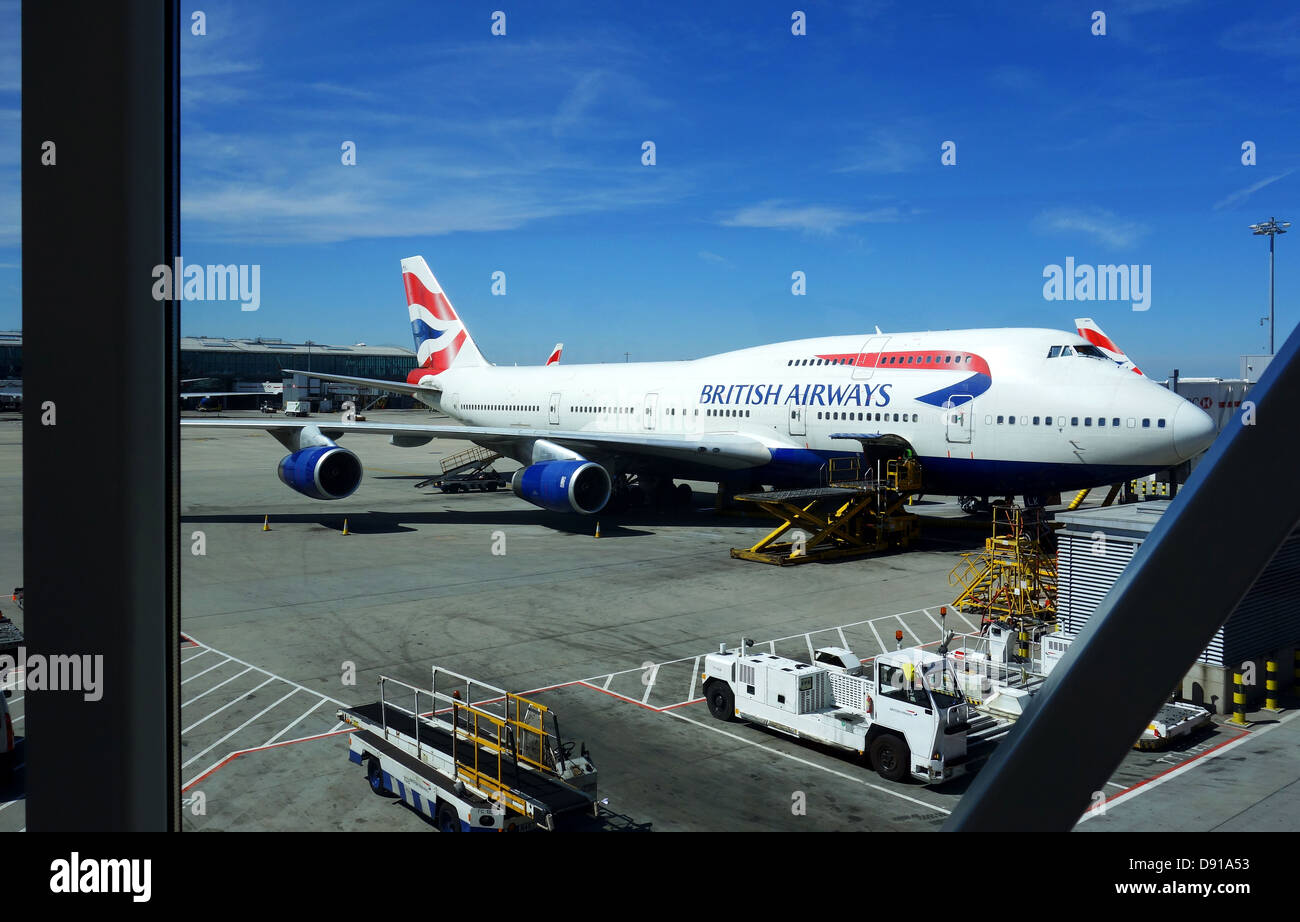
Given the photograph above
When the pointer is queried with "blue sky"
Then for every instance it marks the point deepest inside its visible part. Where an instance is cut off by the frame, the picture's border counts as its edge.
(775, 153)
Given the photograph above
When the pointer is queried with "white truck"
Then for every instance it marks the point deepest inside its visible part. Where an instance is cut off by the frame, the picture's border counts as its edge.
(905, 711)
(469, 756)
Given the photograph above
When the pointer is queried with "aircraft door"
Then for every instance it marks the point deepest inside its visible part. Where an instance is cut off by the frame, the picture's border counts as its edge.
(865, 365)
(554, 418)
(651, 410)
(959, 417)
(797, 426)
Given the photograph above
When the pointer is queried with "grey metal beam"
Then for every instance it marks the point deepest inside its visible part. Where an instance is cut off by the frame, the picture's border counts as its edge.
(100, 436)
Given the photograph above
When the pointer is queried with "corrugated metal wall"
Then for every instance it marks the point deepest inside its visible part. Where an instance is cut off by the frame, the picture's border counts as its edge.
(1266, 620)
(1084, 576)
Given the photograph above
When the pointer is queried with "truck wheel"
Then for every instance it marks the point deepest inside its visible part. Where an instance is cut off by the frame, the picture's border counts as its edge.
(375, 775)
(447, 820)
(889, 756)
(721, 701)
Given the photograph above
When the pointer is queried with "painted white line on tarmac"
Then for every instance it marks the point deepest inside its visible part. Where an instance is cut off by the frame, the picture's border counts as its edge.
(794, 758)
(883, 648)
(695, 674)
(295, 723)
(906, 628)
(215, 687)
(196, 655)
(292, 692)
(843, 640)
(241, 697)
(205, 671)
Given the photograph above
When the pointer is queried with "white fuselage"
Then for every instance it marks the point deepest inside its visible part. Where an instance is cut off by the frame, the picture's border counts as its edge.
(986, 411)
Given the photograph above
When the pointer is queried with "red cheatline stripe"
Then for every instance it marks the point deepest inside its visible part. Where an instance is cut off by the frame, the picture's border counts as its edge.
(928, 360)
(435, 301)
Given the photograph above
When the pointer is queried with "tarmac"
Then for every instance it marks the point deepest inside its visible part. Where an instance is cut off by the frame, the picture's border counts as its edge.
(283, 627)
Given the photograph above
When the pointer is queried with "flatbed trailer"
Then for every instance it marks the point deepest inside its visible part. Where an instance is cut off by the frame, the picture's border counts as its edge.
(497, 764)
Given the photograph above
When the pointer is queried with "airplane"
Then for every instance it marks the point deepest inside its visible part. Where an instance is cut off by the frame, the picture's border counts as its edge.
(1090, 331)
(987, 412)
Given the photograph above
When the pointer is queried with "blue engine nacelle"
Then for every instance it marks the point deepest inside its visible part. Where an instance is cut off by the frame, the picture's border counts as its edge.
(322, 472)
(563, 486)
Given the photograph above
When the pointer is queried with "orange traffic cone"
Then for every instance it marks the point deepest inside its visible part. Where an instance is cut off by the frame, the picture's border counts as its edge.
(345, 527)
(597, 529)
(266, 523)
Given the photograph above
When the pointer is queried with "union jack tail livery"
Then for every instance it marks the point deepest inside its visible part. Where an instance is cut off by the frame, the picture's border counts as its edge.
(1089, 330)
(441, 339)
(554, 358)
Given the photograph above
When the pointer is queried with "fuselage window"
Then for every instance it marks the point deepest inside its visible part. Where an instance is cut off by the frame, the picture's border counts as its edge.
(1115, 421)
(1087, 420)
(1160, 423)
(1101, 420)
(1146, 424)
(819, 415)
(947, 359)
(1074, 420)
(929, 359)
(1011, 420)
(1060, 421)
(988, 420)
(1035, 420)
(1001, 419)
(915, 417)
(895, 417)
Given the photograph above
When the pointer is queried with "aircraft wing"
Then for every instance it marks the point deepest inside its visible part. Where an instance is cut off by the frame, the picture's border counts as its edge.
(191, 395)
(395, 387)
(723, 450)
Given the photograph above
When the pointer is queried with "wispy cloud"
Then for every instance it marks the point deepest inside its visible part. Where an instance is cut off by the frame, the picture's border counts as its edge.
(889, 150)
(819, 219)
(1103, 226)
(709, 257)
(1279, 37)
(1243, 194)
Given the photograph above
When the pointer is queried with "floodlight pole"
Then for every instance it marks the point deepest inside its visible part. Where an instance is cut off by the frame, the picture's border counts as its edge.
(1270, 228)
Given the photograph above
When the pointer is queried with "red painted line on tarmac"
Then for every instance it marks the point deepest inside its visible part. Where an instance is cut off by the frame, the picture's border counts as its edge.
(1199, 755)
(238, 753)
(680, 704)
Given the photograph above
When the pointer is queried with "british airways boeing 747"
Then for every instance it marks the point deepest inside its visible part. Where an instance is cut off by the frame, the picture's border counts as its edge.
(988, 412)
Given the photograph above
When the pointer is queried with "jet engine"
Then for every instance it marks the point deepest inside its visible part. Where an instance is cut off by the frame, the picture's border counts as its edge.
(563, 486)
(322, 472)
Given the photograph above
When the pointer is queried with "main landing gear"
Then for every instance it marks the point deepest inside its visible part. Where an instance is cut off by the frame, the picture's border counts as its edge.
(633, 492)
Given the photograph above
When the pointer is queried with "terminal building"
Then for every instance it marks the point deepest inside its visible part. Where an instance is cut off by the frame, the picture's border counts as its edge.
(251, 364)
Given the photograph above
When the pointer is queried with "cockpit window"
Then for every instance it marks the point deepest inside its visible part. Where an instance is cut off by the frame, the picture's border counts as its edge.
(1053, 352)
(1091, 352)
(1066, 350)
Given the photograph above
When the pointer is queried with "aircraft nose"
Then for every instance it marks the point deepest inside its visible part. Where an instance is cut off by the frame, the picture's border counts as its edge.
(1194, 430)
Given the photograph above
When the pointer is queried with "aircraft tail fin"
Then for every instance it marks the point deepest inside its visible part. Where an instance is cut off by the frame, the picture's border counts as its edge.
(1094, 334)
(441, 339)
(554, 358)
